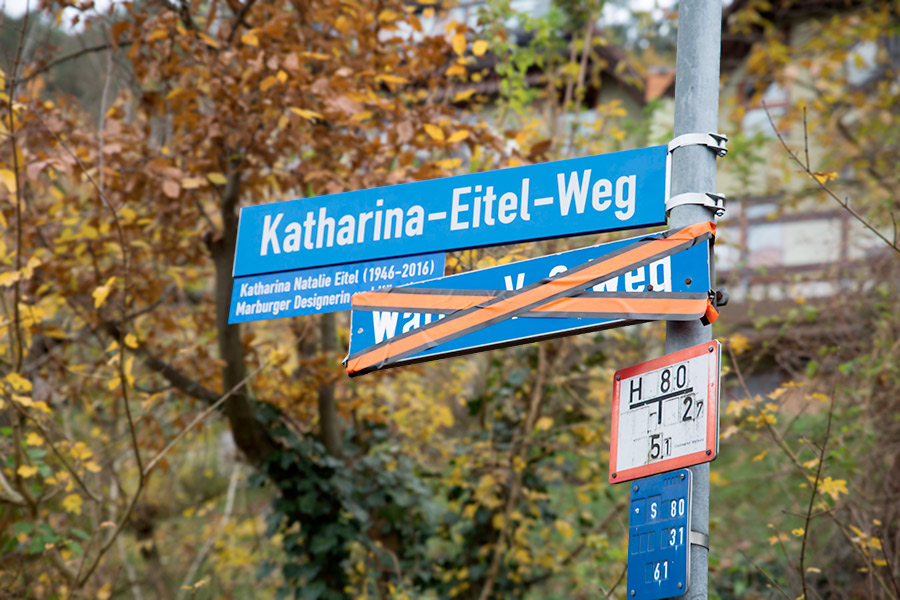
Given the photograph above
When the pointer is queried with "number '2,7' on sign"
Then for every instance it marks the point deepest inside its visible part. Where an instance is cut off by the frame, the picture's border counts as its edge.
(665, 413)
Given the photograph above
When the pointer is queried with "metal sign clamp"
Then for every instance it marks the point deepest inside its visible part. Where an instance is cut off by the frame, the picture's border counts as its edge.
(713, 141)
(697, 538)
(710, 200)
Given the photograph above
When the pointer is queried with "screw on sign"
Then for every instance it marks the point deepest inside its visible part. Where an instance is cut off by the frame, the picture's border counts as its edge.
(659, 527)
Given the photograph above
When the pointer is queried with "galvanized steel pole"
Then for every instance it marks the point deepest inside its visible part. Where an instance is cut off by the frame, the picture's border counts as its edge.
(694, 170)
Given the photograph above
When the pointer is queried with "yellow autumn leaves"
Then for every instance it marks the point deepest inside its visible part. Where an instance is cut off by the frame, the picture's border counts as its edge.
(436, 133)
(101, 293)
(80, 458)
(272, 80)
(8, 278)
(18, 389)
(833, 487)
(8, 180)
(309, 115)
(459, 43)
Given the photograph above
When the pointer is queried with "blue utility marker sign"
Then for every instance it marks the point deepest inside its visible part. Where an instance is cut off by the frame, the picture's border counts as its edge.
(608, 192)
(323, 290)
(659, 527)
(683, 272)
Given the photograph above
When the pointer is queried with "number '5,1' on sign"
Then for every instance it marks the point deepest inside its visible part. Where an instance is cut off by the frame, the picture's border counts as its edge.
(665, 413)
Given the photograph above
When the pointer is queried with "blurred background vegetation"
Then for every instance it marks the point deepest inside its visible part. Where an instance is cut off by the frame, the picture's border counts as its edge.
(151, 450)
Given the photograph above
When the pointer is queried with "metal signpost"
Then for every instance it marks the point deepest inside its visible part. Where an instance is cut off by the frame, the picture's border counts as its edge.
(659, 526)
(665, 413)
(694, 172)
(608, 192)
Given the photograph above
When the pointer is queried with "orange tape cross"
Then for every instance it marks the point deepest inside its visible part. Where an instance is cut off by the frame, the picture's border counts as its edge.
(563, 296)
(585, 305)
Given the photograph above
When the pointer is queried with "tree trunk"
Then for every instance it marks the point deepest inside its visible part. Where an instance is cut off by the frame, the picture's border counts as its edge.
(329, 427)
(249, 434)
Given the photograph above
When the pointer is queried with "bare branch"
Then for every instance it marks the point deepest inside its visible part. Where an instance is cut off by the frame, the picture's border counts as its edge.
(183, 10)
(123, 247)
(13, 142)
(766, 575)
(517, 450)
(805, 137)
(59, 564)
(58, 454)
(71, 56)
(775, 435)
(178, 379)
(617, 508)
(239, 18)
(812, 496)
(199, 418)
(223, 522)
(618, 581)
(884, 549)
(82, 578)
(864, 555)
(824, 186)
(8, 494)
(102, 126)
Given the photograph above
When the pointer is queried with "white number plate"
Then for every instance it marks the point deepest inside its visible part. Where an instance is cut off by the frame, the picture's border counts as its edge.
(666, 413)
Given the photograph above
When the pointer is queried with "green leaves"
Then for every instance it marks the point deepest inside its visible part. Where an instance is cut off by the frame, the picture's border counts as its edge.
(345, 507)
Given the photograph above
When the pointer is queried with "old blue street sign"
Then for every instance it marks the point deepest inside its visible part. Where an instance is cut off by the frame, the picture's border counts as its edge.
(685, 271)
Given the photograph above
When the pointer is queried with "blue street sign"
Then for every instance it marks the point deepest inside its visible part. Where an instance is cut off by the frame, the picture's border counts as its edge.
(609, 192)
(659, 527)
(669, 274)
(323, 290)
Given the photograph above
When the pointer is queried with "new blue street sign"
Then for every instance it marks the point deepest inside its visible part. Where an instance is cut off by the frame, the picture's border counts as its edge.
(659, 527)
(669, 274)
(325, 289)
(609, 192)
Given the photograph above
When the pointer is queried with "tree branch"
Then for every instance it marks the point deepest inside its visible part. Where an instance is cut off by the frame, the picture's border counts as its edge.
(58, 454)
(207, 546)
(578, 94)
(618, 581)
(329, 424)
(81, 579)
(517, 451)
(71, 56)
(774, 432)
(845, 204)
(239, 18)
(578, 549)
(159, 456)
(8, 494)
(250, 435)
(766, 575)
(13, 142)
(812, 498)
(178, 379)
(183, 10)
